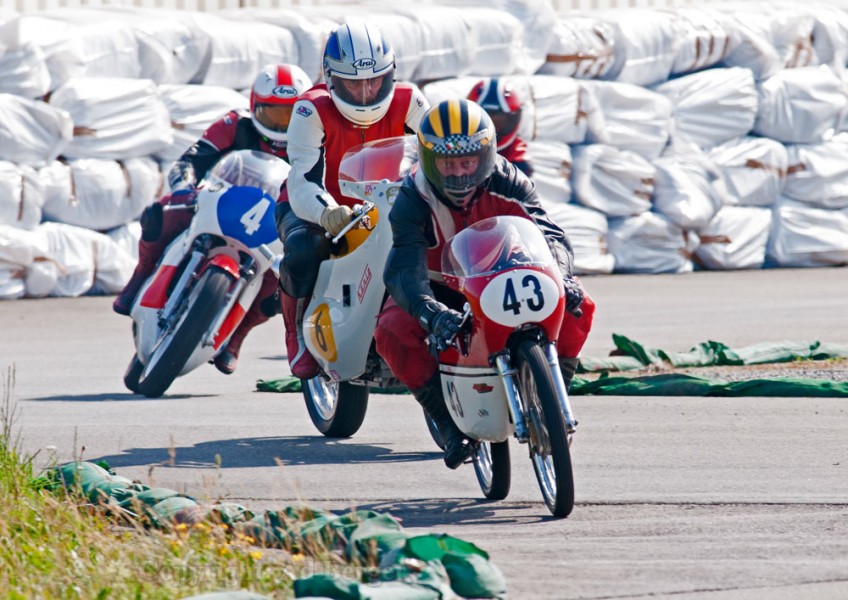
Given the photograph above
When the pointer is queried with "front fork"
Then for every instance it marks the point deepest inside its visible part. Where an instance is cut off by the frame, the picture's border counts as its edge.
(503, 364)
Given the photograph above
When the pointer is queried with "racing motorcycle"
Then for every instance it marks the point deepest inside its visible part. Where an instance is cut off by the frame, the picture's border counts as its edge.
(340, 319)
(501, 376)
(206, 280)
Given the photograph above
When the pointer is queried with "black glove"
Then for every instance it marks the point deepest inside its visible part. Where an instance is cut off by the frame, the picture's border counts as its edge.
(444, 323)
(573, 295)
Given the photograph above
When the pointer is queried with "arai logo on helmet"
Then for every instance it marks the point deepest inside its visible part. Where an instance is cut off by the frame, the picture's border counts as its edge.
(284, 91)
(365, 63)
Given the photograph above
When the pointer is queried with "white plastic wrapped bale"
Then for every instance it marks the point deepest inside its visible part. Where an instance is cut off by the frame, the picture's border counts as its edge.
(565, 110)
(113, 118)
(171, 47)
(801, 106)
(108, 44)
(685, 189)
(31, 131)
(24, 257)
(239, 49)
(735, 238)
(703, 40)
(582, 47)
(497, 39)
(62, 49)
(587, 231)
(23, 70)
(193, 108)
(404, 35)
(127, 237)
(791, 25)
(619, 183)
(310, 30)
(650, 243)
(88, 262)
(753, 170)
(830, 37)
(551, 162)
(537, 19)
(712, 106)
(805, 236)
(21, 196)
(751, 44)
(447, 44)
(646, 45)
(100, 194)
(635, 117)
(818, 173)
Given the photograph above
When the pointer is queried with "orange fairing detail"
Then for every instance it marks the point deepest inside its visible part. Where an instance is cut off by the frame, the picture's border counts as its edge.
(157, 294)
(230, 323)
(356, 237)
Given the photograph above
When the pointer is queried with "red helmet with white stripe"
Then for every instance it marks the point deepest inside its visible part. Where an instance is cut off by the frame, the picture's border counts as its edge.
(272, 98)
(500, 99)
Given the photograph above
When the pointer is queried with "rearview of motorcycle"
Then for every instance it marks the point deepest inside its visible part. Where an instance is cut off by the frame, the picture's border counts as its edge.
(209, 275)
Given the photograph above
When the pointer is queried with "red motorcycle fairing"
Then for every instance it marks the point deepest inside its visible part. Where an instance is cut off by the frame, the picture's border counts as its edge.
(225, 262)
(230, 323)
(493, 336)
(157, 292)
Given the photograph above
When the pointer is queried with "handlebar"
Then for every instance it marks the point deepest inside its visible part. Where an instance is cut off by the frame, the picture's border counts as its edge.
(360, 211)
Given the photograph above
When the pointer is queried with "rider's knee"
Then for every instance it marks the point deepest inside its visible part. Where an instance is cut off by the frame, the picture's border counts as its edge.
(151, 222)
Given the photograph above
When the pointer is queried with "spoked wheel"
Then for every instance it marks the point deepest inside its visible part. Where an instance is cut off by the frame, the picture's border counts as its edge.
(169, 358)
(548, 438)
(133, 372)
(491, 464)
(337, 409)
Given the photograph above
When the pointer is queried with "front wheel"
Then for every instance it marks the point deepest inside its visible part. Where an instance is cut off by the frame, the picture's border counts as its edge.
(491, 464)
(202, 307)
(548, 439)
(337, 409)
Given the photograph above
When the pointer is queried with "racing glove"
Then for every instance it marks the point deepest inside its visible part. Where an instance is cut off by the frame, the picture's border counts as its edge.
(573, 295)
(442, 322)
(336, 218)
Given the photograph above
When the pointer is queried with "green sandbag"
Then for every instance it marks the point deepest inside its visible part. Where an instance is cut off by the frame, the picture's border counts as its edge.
(229, 513)
(687, 385)
(93, 481)
(177, 509)
(472, 576)
(434, 546)
(376, 536)
(148, 497)
(323, 585)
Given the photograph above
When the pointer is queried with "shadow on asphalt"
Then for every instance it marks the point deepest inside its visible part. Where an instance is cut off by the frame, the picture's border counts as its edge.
(123, 397)
(263, 452)
(423, 512)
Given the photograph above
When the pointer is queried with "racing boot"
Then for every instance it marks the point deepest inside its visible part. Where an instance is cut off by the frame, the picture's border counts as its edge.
(458, 448)
(568, 366)
(301, 362)
(150, 247)
(227, 359)
(148, 256)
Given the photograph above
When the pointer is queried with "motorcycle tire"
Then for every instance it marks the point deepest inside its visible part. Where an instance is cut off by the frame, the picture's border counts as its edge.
(548, 438)
(200, 312)
(336, 409)
(492, 467)
(133, 372)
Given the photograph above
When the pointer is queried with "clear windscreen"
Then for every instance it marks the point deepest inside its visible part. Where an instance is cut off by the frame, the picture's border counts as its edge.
(495, 244)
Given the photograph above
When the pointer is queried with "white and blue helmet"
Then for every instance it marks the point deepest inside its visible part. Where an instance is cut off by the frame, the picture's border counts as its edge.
(359, 69)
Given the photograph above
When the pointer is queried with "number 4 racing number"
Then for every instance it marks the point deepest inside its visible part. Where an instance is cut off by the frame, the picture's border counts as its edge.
(535, 303)
(252, 219)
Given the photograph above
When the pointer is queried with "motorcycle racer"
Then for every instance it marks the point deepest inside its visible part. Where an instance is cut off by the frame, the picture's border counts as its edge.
(502, 102)
(359, 101)
(265, 128)
(460, 180)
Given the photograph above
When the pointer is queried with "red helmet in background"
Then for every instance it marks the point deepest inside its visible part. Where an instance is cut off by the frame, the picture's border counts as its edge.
(500, 99)
(272, 98)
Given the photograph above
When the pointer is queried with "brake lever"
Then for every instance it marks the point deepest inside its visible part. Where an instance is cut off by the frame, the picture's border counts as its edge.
(361, 211)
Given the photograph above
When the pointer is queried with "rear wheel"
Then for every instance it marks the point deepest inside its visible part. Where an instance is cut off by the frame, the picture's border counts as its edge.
(491, 464)
(548, 439)
(202, 307)
(337, 409)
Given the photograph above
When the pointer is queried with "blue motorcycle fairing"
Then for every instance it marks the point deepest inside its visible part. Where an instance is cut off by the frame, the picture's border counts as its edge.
(247, 215)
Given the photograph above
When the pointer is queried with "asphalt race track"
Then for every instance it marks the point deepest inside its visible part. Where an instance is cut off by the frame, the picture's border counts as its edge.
(679, 498)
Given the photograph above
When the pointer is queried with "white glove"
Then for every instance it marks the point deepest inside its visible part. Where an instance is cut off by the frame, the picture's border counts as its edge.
(336, 218)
